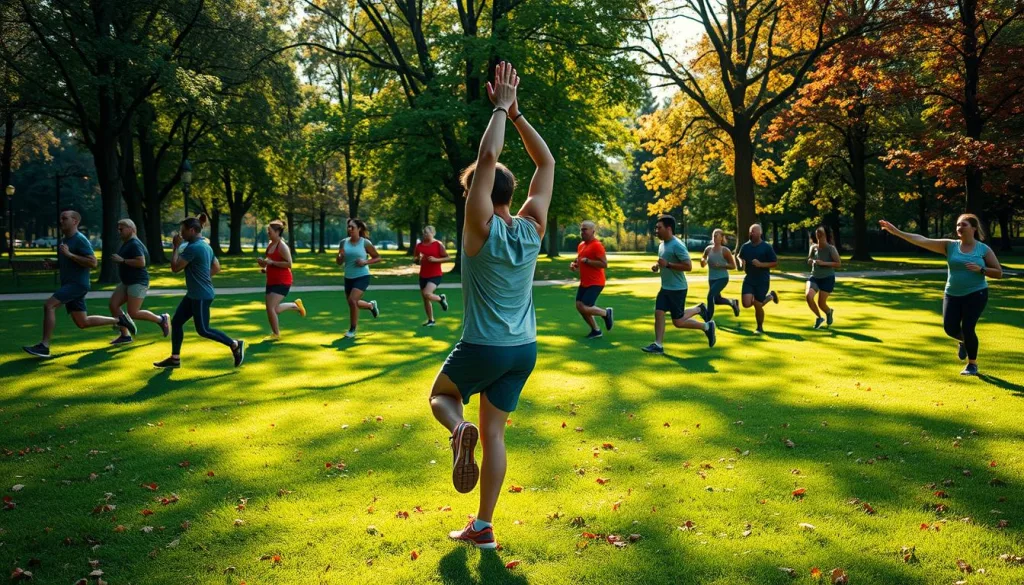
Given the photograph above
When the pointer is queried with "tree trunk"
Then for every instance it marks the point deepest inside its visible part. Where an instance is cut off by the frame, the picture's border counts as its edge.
(552, 236)
(323, 227)
(215, 214)
(922, 215)
(1005, 244)
(785, 237)
(415, 228)
(976, 200)
(132, 195)
(858, 164)
(401, 242)
(290, 217)
(743, 179)
(775, 236)
(151, 200)
(104, 151)
(235, 219)
(6, 158)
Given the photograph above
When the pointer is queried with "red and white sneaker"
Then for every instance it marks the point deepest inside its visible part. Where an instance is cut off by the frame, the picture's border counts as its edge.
(478, 538)
(465, 471)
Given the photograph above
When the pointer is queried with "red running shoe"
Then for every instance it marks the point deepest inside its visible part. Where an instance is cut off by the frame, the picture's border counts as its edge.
(478, 538)
(465, 471)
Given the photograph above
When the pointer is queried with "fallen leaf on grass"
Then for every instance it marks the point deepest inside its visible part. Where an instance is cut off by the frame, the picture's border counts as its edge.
(512, 564)
(799, 492)
(607, 446)
(603, 480)
(964, 566)
(688, 525)
(839, 577)
(868, 509)
(120, 528)
(402, 515)
(414, 555)
(806, 526)
(791, 573)
(147, 512)
(17, 487)
(616, 505)
(589, 535)
(1012, 559)
(150, 486)
(515, 489)
(578, 522)
(815, 573)
(20, 574)
(789, 444)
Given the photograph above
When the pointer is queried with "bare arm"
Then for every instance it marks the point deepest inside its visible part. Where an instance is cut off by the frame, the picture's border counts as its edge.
(937, 246)
(992, 268)
(177, 263)
(282, 248)
(340, 258)
(215, 267)
(837, 260)
(539, 198)
(374, 255)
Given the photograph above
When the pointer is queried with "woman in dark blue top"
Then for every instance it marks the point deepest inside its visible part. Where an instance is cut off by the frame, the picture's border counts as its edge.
(131, 263)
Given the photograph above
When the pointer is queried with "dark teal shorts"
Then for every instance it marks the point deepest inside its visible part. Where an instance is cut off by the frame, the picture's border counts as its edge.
(498, 372)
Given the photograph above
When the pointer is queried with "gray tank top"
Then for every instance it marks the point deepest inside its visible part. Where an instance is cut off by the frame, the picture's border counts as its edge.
(822, 255)
(717, 263)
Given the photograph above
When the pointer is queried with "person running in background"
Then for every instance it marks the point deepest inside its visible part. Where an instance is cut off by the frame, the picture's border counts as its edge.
(200, 266)
(430, 254)
(203, 222)
(719, 261)
(673, 263)
(498, 349)
(590, 262)
(757, 258)
(277, 264)
(356, 253)
(131, 261)
(74, 262)
(823, 259)
(969, 261)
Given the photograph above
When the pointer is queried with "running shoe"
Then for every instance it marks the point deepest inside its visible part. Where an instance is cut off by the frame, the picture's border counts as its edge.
(444, 302)
(373, 309)
(609, 320)
(595, 334)
(465, 471)
(350, 334)
(735, 306)
(703, 311)
(170, 363)
(818, 322)
(478, 538)
(759, 331)
(123, 339)
(239, 352)
(273, 337)
(125, 321)
(430, 323)
(38, 350)
(961, 352)
(828, 317)
(302, 308)
(970, 370)
(653, 348)
(165, 324)
(711, 333)
(775, 297)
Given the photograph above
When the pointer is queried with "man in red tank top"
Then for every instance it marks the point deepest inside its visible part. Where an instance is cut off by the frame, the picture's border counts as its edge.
(590, 262)
(430, 254)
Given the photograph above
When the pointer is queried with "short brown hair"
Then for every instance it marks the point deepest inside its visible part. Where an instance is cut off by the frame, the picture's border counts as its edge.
(504, 183)
(668, 221)
(277, 225)
(979, 234)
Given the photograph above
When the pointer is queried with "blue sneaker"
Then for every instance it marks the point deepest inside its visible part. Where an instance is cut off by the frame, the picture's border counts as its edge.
(123, 339)
(123, 320)
(609, 321)
(595, 334)
(774, 296)
(828, 317)
(710, 332)
(735, 307)
(444, 302)
(962, 352)
(654, 348)
(818, 322)
(703, 311)
(374, 310)
(970, 370)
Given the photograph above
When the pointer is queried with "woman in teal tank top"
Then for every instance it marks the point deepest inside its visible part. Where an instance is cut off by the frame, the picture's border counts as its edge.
(969, 262)
(823, 259)
(719, 261)
(356, 253)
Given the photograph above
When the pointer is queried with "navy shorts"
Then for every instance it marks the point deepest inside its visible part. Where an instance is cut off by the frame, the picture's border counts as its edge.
(433, 279)
(362, 283)
(72, 296)
(758, 289)
(827, 284)
(588, 295)
(498, 372)
(672, 302)
(279, 289)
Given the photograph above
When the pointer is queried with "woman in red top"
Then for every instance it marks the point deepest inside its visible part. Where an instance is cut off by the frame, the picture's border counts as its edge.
(277, 265)
(430, 254)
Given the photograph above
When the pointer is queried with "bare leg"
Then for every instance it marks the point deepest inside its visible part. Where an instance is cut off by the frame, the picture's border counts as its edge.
(823, 301)
(85, 321)
(429, 298)
(659, 327)
(759, 314)
(809, 295)
(446, 402)
(587, 315)
(137, 313)
(354, 300)
(116, 300)
(687, 321)
(49, 319)
(272, 301)
(494, 462)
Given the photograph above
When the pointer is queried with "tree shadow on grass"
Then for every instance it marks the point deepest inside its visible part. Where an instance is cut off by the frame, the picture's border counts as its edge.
(161, 383)
(1017, 389)
(854, 336)
(694, 363)
(454, 569)
(95, 357)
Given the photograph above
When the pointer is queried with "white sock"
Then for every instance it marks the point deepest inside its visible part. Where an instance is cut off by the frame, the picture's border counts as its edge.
(480, 524)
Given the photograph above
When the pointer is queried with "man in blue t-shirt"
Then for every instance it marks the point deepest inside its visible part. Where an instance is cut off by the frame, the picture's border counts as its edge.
(199, 264)
(673, 263)
(756, 257)
(75, 260)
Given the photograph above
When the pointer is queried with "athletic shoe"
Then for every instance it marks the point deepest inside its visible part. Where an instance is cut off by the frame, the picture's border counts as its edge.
(609, 320)
(373, 309)
(962, 352)
(775, 297)
(595, 334)
(818, 322)
(38, 350)
(273, 337)
(350, 334)
(653, 348)
(165, 324)
(170, 363)
(430, 323)
(711, 334)
(828, 317)
(239, 352)
(970, 370)
(444, 302)
(302, 308)
(125, 321)
(735, 306)
(759, 331)
(122, 340)
(478, 538)
(465, 471)
(703, 311)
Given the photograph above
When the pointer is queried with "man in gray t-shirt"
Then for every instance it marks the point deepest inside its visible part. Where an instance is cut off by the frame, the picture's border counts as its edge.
(673, 263)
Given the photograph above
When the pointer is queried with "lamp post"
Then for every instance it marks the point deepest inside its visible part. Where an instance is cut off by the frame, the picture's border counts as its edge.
(186, 182)
(10, 218)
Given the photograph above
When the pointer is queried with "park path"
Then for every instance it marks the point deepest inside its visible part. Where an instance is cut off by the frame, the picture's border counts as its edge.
(250, 290)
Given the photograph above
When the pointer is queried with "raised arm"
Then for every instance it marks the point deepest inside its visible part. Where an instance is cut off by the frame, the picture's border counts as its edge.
(538, 200)
(937, 246)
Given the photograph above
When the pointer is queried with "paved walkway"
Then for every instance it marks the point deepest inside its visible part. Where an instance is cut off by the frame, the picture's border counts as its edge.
(252, 290)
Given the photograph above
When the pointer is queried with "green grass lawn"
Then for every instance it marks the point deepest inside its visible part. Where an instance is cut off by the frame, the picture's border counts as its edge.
(397, 268)
(877, 415)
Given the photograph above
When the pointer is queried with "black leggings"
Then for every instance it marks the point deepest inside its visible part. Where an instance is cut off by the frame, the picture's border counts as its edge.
(960, 315)
(715, 288)
(199, 312)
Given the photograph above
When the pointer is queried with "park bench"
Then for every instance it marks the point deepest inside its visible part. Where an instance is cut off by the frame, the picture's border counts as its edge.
(21, 268)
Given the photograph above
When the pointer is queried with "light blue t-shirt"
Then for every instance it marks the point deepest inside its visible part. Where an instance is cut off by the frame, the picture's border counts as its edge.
(198, 280)
(72, 272)
(497, 286)
(353, 252)
(718, 267)
(672, 250)
(961, 281)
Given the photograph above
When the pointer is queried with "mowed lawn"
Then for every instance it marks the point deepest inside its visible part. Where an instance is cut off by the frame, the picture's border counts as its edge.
(319, 462)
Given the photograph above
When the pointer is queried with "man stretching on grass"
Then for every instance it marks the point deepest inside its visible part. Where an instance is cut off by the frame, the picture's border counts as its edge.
(673, 263)
(498, 349)
(590, 262)
(200, 265)
(75, 261)
(757, 258)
